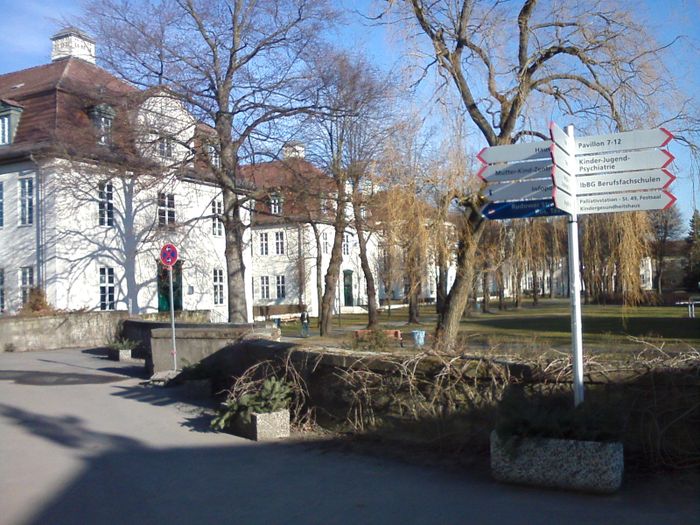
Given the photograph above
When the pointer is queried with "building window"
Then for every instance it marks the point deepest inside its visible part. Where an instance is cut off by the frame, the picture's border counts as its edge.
(106, 288)
(281, 289)
(166, 209)
(214, 157)
(218, 286)
(103, 125)
(102, 117)
(264, 287)
(106, 204)
(217, 225)
(26, 201)
(4, 130)
(2, 204)
(279, 243)
(165, 147)
(263, 244)
(2, 290)
(276, 205)
(326, 246)
(346, 244)
(363, 212)
(26, 282)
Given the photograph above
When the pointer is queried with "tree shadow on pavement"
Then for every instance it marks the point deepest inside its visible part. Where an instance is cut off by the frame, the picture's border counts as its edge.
(67, 431)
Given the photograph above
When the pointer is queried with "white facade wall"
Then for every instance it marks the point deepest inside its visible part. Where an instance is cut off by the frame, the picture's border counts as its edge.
(18, 242)
(298, 266)
(65, 244)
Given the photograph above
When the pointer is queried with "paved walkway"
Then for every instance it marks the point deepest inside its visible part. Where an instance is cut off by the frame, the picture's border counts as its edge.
(82, 441)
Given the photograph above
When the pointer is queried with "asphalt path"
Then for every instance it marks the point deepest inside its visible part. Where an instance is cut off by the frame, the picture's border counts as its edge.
(84, 440)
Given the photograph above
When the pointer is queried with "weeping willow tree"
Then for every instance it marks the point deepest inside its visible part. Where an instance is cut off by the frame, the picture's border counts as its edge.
(511, 63)
(613, 247)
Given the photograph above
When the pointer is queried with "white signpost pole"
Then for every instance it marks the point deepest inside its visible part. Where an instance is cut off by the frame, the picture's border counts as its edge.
(172, 317)
(575, 287)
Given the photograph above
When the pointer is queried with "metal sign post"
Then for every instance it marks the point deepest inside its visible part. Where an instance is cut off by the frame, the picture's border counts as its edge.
(168, 256)
(172, 317)
(596, 174)
(575, 287)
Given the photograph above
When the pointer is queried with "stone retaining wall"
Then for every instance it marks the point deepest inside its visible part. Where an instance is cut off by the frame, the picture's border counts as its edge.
(64, 330)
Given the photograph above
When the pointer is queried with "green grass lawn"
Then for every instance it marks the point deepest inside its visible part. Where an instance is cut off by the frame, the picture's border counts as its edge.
(548, 325)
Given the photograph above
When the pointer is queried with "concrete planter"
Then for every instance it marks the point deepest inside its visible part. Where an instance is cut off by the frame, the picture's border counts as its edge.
(264, 426)
(119, 355)
(567, 464)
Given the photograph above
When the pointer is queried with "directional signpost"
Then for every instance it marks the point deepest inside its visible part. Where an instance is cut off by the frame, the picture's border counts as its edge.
(168, 256)
(603, 174)
(519, 181)
(575, 176)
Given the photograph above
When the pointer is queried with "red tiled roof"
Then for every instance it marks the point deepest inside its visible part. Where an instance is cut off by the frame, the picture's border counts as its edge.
(55, 97)
(301, 185)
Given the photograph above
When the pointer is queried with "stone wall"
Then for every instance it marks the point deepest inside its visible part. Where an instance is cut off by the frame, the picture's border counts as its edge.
(66, 330)
(197, 343)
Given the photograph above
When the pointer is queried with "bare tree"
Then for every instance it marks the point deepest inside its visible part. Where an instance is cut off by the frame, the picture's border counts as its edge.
(238, 66)
(346, 141)
(590, 59)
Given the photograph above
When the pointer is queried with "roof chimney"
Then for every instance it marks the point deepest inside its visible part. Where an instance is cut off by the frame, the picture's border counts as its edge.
(72, 42)
(293, 150)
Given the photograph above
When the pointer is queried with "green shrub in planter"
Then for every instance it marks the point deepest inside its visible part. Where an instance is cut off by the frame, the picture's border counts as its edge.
(274, 395)
(122, 344)
(552, 415)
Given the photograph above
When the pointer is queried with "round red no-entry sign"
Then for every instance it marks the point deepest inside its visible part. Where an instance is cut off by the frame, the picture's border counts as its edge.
(168, 254)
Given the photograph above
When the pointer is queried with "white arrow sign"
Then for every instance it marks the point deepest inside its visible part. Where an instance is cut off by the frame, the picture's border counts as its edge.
(513, 152)
(627, 161)
(520, 190)
(563, 180)
(628, 140)
(538, 169)
(564, 160)
(563, 200)
(625, 181)
(635, 201)
(561, 139)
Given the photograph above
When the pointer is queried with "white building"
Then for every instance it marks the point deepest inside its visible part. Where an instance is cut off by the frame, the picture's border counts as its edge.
(95, 176)
(285, 250)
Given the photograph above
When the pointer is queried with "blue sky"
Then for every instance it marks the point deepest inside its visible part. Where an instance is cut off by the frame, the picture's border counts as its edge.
(28, 25)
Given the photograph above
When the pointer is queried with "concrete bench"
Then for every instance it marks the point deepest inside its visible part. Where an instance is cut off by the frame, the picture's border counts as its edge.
(361, 335)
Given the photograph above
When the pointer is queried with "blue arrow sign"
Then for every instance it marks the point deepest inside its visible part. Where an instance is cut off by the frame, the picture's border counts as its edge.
(520, 209)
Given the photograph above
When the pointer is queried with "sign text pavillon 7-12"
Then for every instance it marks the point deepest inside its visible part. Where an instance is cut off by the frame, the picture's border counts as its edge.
(595, 174)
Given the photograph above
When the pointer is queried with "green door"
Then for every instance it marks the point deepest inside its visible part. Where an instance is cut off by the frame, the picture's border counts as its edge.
(164, 287)
(347, 287)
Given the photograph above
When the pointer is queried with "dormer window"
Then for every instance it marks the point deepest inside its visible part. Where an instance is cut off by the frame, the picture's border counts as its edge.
(214, 157)
(165, 147)
(102, 117)
(4, 129)
(10, 113)
(276, 205)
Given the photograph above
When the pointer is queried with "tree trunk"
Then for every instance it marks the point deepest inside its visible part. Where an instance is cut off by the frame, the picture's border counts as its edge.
(234, 228)
(518, 287)
(485, 292)
(441, 292)
(500, 281)
(333, 271)
(372, 310)
(447, 328)
(319, 269)
(535, 287)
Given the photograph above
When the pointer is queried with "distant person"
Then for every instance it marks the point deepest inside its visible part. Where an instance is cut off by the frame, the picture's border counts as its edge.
(304, 323)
